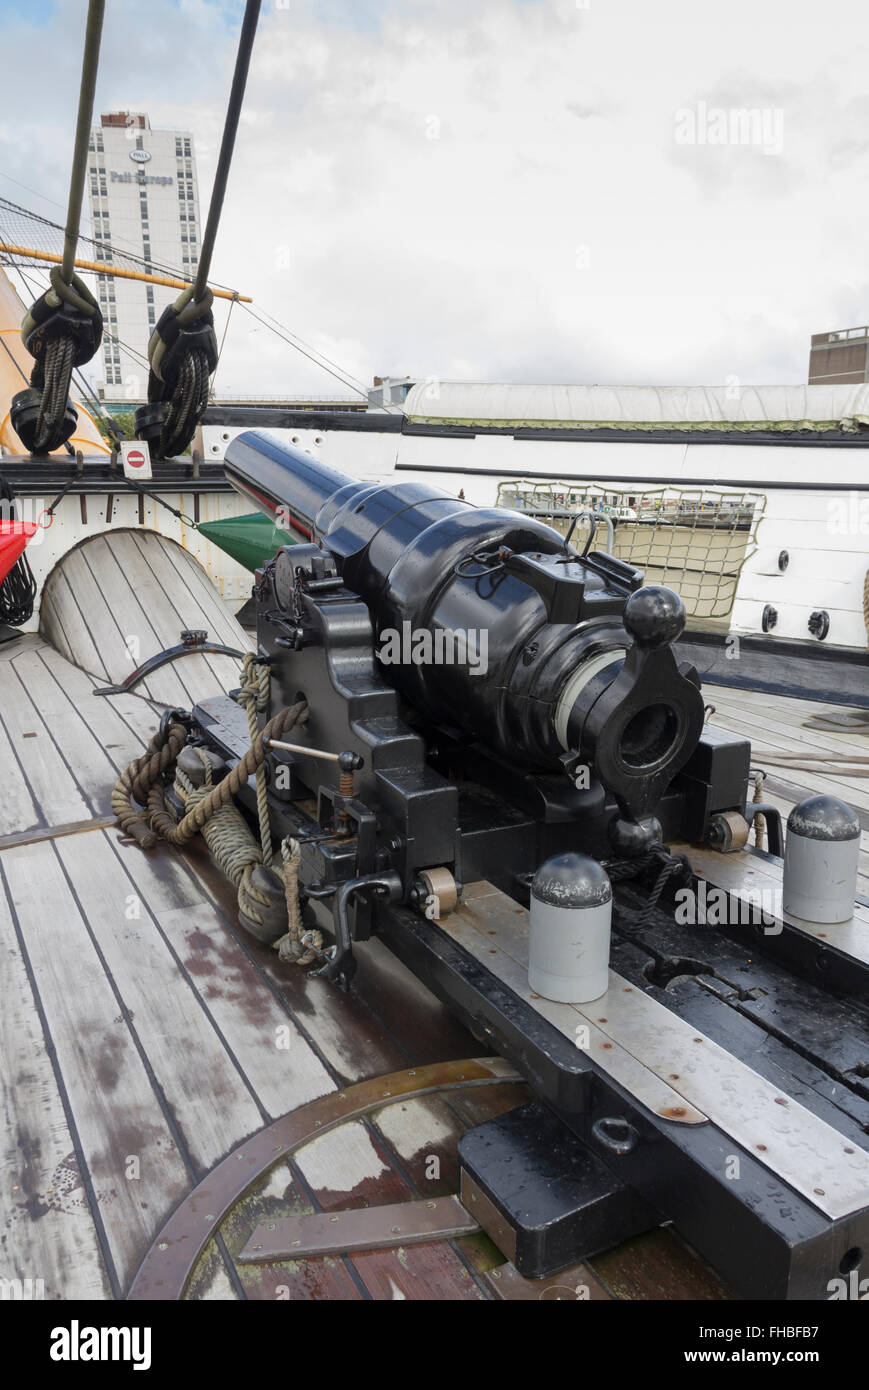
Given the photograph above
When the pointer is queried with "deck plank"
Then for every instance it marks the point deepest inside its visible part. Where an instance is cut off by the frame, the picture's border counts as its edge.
(70, 592)
(18, 808)
(281, 1066)
(51, 784)
(109, 1089)
(122, 724)
(166, 608)
(84, 756)
(174, 1029)
(48, 1230)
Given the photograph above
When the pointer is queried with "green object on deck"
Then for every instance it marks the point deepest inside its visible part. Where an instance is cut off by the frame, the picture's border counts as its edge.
(251, 540)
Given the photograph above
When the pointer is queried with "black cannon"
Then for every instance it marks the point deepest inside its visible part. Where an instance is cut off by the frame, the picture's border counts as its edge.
(480, 697)
(502, 747)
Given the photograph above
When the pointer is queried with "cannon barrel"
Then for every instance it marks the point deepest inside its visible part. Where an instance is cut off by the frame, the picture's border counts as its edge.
(488, 623)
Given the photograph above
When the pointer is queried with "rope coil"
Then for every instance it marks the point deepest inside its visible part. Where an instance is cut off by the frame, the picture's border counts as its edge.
(209, 810)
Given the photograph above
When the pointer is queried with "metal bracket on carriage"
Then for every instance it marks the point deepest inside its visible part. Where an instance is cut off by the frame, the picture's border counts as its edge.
(192, 641)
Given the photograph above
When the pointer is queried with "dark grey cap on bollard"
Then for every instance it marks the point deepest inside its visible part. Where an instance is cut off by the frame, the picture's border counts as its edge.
(824, 818)
(571, 880)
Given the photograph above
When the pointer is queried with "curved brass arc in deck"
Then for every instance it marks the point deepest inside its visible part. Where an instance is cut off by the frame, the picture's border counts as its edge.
(165, 1270)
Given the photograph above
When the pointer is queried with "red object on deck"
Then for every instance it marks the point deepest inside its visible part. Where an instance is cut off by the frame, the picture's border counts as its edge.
(14, 536)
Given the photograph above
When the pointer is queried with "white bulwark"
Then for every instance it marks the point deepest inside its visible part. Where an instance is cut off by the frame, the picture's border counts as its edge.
(144, 201)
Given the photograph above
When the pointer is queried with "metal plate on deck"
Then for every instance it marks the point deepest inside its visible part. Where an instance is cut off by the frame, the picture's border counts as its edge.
(575, 1285)
(481, 926)
(227, 723)
(747, 875)
(359, 1228)
(806, 1152)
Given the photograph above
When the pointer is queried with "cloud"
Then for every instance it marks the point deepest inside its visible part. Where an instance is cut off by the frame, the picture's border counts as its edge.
(495, 188)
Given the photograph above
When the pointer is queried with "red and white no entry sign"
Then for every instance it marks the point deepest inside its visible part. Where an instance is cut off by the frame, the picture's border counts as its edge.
(137, 458)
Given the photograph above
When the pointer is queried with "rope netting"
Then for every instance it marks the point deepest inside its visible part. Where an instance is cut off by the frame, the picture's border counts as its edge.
(695, 540)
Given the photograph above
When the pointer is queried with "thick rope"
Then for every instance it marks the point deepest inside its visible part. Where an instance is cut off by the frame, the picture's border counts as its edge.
(210, 809)
(759, 821)
(290, 947)
(622, 869)
(135, 781)
(254, 696)
(232, 846)
(223, 793)
(818, 762)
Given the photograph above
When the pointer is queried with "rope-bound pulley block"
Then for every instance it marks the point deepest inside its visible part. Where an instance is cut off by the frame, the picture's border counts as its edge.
(64, 327)
(182, 352)
(61, 330)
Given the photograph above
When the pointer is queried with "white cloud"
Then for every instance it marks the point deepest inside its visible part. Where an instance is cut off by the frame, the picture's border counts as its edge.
(495, 189)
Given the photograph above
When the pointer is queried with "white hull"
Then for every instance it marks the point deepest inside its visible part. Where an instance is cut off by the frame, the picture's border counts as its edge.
(816, 502)
(68, 530)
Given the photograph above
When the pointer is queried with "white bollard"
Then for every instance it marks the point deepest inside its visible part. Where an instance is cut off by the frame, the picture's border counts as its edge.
(571, 915)
(822, 851)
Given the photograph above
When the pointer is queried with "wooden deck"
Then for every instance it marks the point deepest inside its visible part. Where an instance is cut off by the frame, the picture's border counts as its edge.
(144, 1036)
(774, 725)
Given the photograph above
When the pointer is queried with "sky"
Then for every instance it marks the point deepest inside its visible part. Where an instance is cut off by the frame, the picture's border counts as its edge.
(600, 191)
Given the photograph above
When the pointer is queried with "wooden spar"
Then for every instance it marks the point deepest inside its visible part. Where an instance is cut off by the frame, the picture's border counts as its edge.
(105, 268)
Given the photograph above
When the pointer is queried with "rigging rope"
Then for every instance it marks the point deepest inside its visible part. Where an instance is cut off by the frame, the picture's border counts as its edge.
(183, 347)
